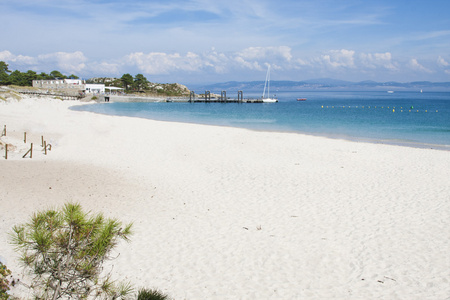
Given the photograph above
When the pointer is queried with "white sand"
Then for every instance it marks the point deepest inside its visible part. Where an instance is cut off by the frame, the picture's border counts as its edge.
(224, 213)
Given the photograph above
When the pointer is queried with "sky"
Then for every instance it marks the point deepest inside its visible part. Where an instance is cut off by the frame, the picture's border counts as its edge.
(211, 41)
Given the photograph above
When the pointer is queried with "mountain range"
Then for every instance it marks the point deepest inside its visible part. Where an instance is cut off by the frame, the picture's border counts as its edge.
(324, 84)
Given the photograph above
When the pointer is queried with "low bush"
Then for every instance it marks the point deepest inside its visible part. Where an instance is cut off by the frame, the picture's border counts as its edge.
(149, 294)
(4, 282)
(64, 250)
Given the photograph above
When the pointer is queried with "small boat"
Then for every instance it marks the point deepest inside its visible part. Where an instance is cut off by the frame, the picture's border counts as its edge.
(390, 92)
(267, 83)
(301, 99)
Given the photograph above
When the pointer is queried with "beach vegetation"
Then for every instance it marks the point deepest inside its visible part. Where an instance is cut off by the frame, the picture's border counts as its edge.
(64, 251)
(5, 283)
(149, 294)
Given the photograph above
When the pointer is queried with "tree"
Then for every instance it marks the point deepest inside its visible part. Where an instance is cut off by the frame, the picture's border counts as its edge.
(64, 251)
(4, 76)
(140, 81)
(17, 78)
(44, 76)
(73, 77)
(57, 75)
(29, 77)
(127, 80)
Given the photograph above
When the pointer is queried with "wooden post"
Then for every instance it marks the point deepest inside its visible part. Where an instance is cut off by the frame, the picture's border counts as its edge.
(45, 147)
(25, 137)
(42, 141)
(6, 151)
(29, 151)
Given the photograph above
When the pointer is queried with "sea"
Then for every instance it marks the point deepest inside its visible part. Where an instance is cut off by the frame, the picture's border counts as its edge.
(402, 118)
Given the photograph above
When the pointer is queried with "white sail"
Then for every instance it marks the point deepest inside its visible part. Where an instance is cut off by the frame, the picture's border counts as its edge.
(267, 84)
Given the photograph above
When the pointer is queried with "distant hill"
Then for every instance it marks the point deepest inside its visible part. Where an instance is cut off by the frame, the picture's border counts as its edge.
(323, 84)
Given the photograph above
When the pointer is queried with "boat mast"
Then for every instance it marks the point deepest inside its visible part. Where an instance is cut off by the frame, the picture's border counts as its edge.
(267, 83)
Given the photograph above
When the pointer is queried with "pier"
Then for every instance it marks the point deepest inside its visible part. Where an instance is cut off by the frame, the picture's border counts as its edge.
(207, 97)
(222, 98)
(193, 98)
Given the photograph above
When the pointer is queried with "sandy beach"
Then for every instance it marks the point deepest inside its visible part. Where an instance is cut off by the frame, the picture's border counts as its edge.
(227, 213)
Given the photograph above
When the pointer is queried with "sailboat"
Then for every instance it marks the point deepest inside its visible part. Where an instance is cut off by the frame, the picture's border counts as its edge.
(267, 84)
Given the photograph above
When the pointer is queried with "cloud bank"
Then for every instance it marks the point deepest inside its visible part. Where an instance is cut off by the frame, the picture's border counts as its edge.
(228, 65)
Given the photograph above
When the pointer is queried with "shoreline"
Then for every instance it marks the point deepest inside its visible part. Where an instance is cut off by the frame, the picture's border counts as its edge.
(229, 213)
(392, 142)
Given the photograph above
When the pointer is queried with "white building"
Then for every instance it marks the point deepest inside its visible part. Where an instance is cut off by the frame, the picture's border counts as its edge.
(96, 88)
(59, 84)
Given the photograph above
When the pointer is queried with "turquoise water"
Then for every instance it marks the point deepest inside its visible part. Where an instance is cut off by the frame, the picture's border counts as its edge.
(401, 118)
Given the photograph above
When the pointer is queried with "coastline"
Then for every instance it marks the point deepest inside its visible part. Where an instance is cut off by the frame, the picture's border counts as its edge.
(229, 213)
(393, 142)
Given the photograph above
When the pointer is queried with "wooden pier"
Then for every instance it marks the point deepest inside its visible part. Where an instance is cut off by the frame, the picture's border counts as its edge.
(192, 98)
(206, 98)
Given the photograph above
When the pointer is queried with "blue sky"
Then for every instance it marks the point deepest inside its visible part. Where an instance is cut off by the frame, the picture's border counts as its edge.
(206, 41)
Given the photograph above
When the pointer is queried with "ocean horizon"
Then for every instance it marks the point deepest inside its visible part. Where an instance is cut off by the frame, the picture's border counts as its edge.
(401, 118)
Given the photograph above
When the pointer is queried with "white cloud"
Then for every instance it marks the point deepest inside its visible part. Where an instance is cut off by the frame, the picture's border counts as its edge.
(377, 60)
(254, 53)
(20, 59)
(163, 63)
(65, 62)
(104, 68)
(415, 65)
(442, 62)
(339, 58)
(253, 58)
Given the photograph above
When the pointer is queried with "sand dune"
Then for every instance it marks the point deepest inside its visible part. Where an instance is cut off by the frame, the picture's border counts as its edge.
(226, 213)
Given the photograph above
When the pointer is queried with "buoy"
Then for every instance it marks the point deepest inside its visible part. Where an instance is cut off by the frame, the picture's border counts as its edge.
(412, 107)
(322, 106)
(393, 110)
